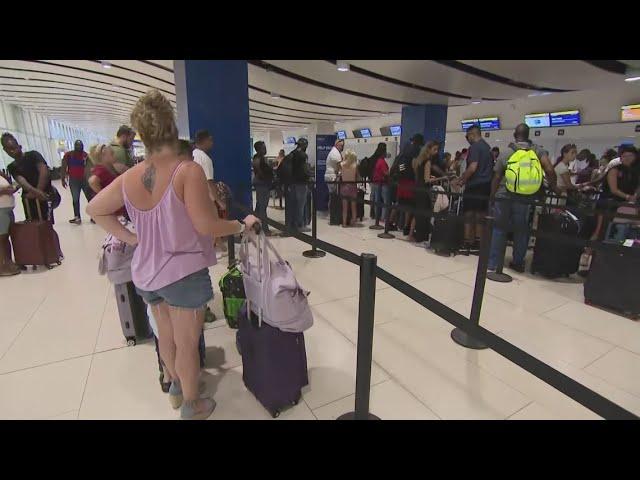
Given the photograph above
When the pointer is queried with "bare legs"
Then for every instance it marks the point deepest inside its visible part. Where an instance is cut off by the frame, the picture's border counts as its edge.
(179, 334)
(346, 204)
(7, 267)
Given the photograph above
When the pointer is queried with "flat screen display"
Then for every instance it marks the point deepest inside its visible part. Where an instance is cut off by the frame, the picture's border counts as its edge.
(396, 130)
(489, 123)
(365, 132)
(469, 123)
(290, 140)
(630, 113)
(385, 131)
(568, 118)
(537, 120)
(341, 134)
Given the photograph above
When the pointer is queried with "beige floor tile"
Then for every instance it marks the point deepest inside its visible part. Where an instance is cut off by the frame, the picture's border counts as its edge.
(598, 323)
(388, 401)
(431, 369)
(43, 392)
(123, 385)
(63, 327)
(620, 368)
(533, 411)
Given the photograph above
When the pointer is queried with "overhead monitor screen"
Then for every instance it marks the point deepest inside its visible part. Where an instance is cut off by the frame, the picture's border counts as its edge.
(568, 118)
(396, 130)
(290, 140)
(469, 123)
(365, 132)
(630, 113)
(489, 123)
(537, 120)
(341, 134)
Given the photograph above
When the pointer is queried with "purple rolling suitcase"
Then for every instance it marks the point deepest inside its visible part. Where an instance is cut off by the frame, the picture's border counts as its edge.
(274, 363)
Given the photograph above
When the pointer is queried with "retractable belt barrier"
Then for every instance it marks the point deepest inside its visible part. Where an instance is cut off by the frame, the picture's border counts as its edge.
(565, 384)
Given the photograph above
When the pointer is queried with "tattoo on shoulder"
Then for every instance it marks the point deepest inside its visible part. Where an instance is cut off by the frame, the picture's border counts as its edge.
(149, 178)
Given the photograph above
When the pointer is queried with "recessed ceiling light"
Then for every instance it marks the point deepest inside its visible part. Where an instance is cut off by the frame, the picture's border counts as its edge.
(343, 66)
(105, 64)
(476, 101)
(275, 95)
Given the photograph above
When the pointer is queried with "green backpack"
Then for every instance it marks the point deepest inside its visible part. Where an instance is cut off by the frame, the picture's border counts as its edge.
(233, 296)
(524, 173)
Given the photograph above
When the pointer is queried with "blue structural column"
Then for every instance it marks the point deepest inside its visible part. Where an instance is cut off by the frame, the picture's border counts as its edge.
(429, 120)
(214, 95)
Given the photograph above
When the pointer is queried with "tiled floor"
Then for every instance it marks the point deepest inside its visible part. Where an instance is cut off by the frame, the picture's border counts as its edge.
(62, 354)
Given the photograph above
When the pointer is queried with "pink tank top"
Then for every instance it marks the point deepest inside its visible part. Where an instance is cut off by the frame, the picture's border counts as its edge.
(169, 246)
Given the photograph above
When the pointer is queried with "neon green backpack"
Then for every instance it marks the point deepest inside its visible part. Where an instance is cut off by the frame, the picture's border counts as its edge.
(524, 173)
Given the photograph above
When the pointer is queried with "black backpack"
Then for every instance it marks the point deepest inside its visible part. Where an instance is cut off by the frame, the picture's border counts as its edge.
(285, 170)
(366, 167)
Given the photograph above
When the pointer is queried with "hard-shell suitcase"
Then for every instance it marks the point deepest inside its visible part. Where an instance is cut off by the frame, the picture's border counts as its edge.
(612, 281)
(447, 233)
(552, 257)
(232, 288)
(274, 363)
(335, 209)
(35, 242)
(133, 313)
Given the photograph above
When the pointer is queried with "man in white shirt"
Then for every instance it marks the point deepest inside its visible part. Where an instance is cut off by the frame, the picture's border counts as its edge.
(333, 165)
(204, 144)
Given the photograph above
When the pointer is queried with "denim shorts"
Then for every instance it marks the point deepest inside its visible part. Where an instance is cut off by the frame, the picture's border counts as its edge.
(193, 291)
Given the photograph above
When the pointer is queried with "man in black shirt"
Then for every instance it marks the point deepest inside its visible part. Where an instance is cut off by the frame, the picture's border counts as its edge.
(294, 174)
(30, 170)
(262, 181)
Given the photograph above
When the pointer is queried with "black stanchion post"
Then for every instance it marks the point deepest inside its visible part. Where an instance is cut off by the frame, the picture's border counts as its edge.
(499, 275)
(386, 233)
(366, 311)
(231, 246)
(457, 334)
(314, 252)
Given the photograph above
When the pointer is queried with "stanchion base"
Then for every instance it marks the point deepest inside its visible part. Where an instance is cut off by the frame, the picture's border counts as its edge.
(386, 235)
(352, 416)
(499, 277)
(376, 227)
(313, 253)
(463, 338)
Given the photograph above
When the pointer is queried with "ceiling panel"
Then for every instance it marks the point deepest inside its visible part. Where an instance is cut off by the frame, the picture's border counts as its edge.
(563, 74)
(326, 72)
(431, 74)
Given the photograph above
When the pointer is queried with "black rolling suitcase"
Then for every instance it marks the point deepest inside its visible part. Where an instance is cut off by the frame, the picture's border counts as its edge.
(613, 279)
(133, 313)
(447, 233)
(335, 209)
(552, 257)
(274, 363)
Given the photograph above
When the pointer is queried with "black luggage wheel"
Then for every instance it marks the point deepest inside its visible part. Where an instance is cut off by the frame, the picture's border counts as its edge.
(275, 413)
(49, 267)
(131, 342)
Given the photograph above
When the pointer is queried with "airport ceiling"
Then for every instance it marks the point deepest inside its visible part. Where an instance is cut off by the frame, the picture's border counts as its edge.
(86, 94)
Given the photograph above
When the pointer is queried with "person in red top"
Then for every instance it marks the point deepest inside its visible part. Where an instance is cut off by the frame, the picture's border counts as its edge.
(104, 171)
(380, 177)
(73, 168)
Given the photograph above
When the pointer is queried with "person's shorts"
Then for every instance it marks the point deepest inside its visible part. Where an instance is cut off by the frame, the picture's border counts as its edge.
(6, 219)
(476, 204)
(193, 291)
(407, 202)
